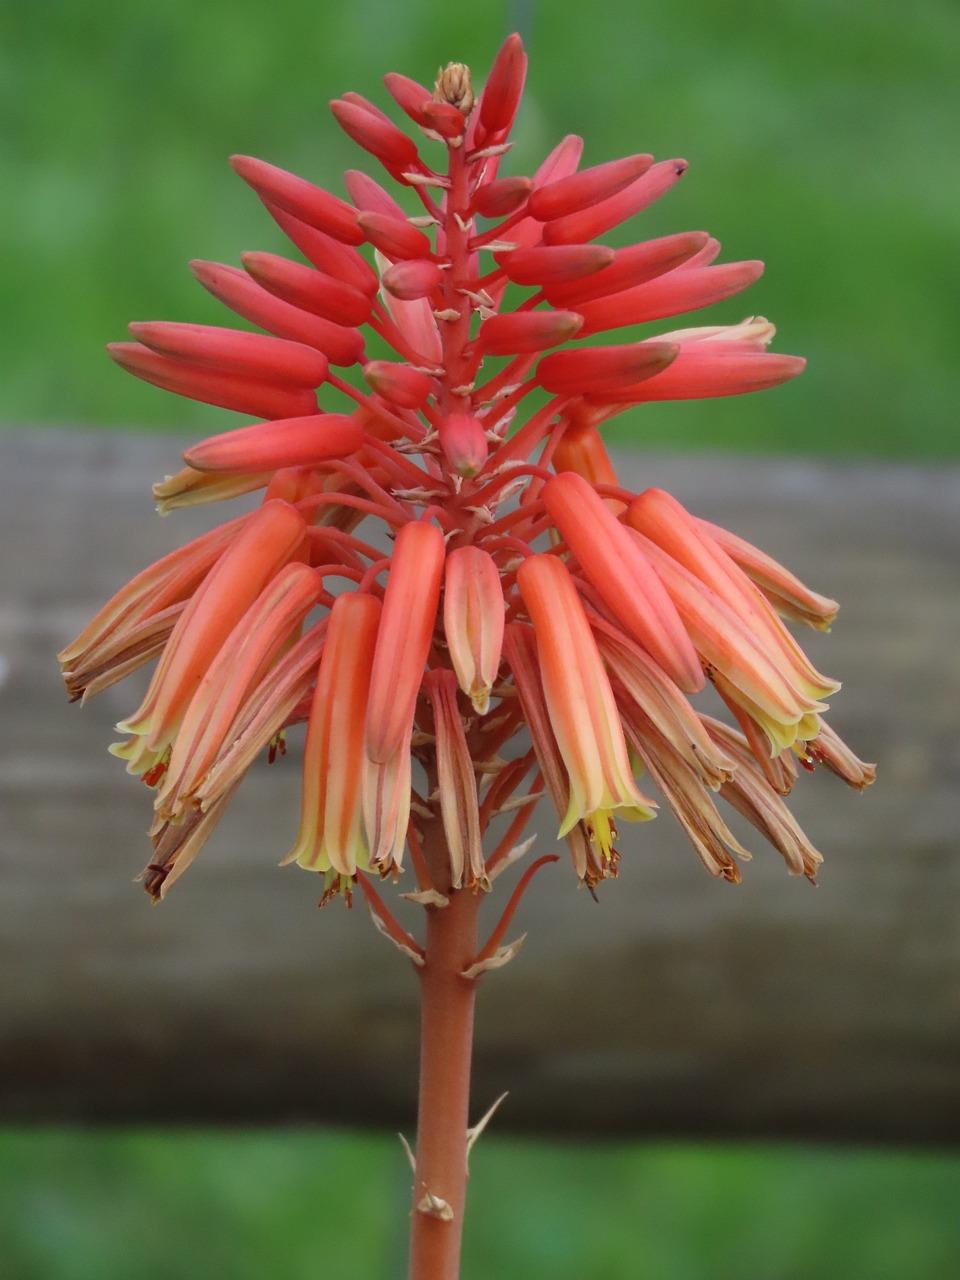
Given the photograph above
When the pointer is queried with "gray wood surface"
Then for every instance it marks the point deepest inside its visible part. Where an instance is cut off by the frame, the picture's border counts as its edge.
(676, 1005)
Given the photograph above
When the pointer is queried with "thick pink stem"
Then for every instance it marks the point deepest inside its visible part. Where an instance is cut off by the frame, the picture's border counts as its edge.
(446, 1041)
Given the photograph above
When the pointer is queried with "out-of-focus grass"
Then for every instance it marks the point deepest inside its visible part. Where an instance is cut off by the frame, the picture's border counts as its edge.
(819, 138)
(82, 1206)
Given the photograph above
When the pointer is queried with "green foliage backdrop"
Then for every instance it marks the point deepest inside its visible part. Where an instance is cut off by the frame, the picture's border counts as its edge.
(821, 136)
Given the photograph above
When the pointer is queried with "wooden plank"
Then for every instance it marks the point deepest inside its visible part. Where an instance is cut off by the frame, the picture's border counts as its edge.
(676, 1005)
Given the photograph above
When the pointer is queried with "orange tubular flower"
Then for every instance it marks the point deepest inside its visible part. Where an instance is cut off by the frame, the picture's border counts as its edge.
(406, 633)
(331, 835)
(622, 576)
(248, 653)
(583, 712)
(265, 544)
(580, 621)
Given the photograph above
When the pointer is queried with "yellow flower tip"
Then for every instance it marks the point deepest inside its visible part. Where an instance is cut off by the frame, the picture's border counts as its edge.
(480, 697)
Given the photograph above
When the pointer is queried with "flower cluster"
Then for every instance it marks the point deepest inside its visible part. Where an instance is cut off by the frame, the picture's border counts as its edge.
(517, 596)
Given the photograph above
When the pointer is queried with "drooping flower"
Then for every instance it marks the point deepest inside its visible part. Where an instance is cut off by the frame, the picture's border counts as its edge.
(526, 592)
(582, 709)
(331, 835)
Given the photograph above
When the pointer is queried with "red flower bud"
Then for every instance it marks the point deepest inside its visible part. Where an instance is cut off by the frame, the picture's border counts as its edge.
(309, 289)
(464, 443)
(415, 278)
(375, 133)
(587, 188)
(504, 195)
(326, 254)
(288, 442)
(601, 369)
(211, 386)
(630, 266)
(702, 370)
(393, 237)
(310, 203)
(444, 118)
(364, 104)
(398, 383)
(575, 228)
(526, 331)
(369, 197)
(409, 95)
(236, 290)
(252, 355)
(557, 263)
(686, 289)
(561, 161)
(501, 94)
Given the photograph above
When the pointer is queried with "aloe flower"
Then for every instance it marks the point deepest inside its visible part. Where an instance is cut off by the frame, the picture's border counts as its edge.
(435, 568)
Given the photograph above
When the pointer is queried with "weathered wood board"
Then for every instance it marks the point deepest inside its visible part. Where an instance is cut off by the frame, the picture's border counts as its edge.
(676, 1005)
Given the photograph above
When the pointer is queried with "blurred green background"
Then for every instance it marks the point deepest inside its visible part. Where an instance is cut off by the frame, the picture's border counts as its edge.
(822, 138)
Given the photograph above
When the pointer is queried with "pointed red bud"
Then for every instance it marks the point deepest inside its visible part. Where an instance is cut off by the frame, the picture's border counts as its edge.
(444, 118)
(415, 278)
(310, 203)
(526, 331)
(369, 197)
(393, 237)
(252, 355)
(309, 289)
(326, 254)
(504, 87)
(622, 576)
(464, 443)
(211, 386)
(502, 196)
(588, 187)
(576, 228)
(364, 104)
(398, 383)
(596, 370)
(703, 371)
(686, 289)
(375, 133)
(561, 162)
(287, 442)
(236, 290)
(546, 265)
(630, 266)
(409, 95)
(406, 633)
